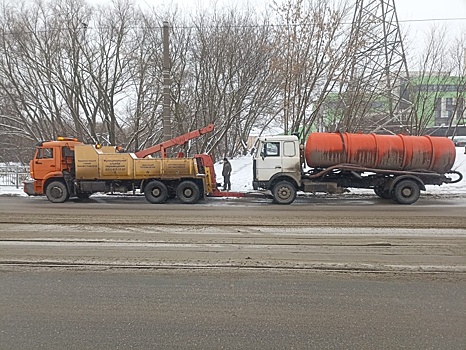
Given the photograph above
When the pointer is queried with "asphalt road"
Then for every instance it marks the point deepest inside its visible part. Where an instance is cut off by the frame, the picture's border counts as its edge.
(324, 273)
(234, 309)
(339, 235)
(320, 211)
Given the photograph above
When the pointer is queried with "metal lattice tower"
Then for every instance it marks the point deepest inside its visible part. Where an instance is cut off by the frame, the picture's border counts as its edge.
(377, 78)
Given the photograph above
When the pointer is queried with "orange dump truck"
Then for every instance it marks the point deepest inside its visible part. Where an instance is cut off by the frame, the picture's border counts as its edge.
(67, 168)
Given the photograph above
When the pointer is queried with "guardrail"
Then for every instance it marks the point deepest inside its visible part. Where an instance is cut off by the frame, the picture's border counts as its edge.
(13, 175)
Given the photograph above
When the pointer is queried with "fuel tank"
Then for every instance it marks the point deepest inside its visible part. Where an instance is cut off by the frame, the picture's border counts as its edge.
(390, 152)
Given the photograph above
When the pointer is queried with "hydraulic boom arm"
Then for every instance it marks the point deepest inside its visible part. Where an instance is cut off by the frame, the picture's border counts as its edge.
(180, 140)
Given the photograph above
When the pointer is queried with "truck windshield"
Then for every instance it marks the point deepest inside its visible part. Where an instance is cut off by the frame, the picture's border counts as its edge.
(44, 153)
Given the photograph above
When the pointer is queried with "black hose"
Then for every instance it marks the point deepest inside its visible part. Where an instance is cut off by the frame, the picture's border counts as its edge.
(460, 177)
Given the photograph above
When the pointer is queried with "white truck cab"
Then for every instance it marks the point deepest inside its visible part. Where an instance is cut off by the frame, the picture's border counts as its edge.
(277, 159)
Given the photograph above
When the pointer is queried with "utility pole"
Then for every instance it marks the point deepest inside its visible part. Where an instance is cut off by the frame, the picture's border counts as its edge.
(166, 121)
(379, 71)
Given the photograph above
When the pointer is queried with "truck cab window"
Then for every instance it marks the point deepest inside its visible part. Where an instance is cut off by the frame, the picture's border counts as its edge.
(289, 149)
(45, 153)
(272, 149)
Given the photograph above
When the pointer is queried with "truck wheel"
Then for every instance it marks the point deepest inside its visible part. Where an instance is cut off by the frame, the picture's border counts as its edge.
(379, 191)
(406, 192)
(57, 192)
(156, 192)
(284, 193)
(188, 192)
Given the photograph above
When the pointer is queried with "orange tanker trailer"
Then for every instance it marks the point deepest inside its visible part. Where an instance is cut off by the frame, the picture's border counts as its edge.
(393, 152)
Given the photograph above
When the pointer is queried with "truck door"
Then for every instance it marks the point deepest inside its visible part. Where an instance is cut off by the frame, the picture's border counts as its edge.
(44, 162)
(275, 156)
(290, 157)
(268, 160)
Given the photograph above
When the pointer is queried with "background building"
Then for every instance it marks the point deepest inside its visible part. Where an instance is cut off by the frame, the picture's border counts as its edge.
(438, 98)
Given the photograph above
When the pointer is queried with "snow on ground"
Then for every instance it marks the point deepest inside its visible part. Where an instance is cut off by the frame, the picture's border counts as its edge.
(241, 178)
(11, 191)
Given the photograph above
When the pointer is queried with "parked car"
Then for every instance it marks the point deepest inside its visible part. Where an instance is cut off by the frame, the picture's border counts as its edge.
(459, 141)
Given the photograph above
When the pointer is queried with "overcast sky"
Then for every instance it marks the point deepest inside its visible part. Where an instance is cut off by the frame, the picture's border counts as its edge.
(407, 9)
(416, 16)
(427, 9)
(421, 12)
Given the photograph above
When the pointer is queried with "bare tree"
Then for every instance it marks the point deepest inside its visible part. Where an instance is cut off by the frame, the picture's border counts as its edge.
(457, 55)
(426, 82)
(95, 72)
(235, 77)
(142, 123)
(28, 69)
(313, 43)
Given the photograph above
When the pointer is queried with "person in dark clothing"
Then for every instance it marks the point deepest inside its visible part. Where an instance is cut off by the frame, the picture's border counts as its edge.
(226, 172)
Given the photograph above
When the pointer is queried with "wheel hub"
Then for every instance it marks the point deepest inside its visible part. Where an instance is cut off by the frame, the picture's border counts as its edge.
(406, 192)
(56, 192)
(284, 192)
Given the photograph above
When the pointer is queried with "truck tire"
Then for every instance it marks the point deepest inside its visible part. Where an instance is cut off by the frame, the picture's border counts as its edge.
(406, 192)
(284, 192)
(379, 191)
(188, 192)
(57, 192)
(156, 192)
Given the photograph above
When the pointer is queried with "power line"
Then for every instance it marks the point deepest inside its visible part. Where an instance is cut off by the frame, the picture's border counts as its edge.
(432, 20)
(294, 25)
(156, 27)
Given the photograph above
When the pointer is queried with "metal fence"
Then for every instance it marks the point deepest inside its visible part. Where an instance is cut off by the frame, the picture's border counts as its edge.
(13, 175)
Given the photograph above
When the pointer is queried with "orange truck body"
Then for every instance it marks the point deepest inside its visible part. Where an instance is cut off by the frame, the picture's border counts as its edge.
(67, 168)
